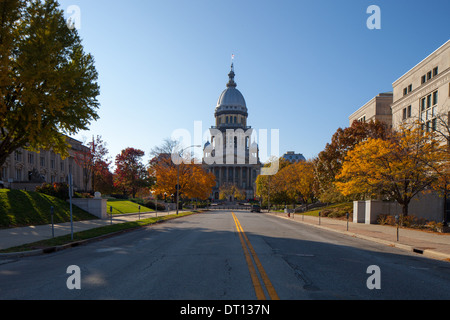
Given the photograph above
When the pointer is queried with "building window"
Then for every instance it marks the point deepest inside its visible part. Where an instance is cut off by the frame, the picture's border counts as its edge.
(435, 71)
(428, 111)
(405, 91)
(18, 174)
(52, 163)
(428, 75)
(62, 166)
(17, 156)
(424, 79)
(435, 98)
(31, 158)
(42, 161)
(410, 88)
(407, 113)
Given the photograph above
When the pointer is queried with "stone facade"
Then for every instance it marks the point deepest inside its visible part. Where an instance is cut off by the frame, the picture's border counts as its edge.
(24, 170)
(230, 155)
(378, 108)
(423, 92)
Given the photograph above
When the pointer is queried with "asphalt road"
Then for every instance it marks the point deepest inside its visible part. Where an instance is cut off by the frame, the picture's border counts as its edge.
(225, 256)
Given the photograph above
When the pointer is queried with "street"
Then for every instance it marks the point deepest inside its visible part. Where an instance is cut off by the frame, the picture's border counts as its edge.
(224, 255)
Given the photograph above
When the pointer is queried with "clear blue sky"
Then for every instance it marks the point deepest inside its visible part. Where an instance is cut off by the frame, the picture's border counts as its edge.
(302, 66)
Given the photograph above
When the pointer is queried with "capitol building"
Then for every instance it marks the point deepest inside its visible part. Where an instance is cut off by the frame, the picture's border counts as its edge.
(230, 154)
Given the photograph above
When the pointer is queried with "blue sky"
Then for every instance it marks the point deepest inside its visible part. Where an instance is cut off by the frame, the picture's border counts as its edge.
(303, 66)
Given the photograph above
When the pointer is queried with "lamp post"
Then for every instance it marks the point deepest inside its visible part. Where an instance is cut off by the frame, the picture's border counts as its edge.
(178, 171)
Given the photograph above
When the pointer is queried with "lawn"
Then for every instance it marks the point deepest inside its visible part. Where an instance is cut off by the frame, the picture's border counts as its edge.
(23, 208)
(333, 211)
(125, 206)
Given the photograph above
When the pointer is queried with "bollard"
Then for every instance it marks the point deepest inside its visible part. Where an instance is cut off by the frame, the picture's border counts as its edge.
(53, 226)
(398, 224)
(347, 214)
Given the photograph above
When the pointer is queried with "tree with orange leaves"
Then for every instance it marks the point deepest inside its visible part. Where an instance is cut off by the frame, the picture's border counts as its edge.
(195, 182)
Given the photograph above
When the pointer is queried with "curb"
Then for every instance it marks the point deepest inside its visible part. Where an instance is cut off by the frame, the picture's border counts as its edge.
(425, 252)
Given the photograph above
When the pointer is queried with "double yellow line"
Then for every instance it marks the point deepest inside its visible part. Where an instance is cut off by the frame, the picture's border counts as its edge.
(249, 252)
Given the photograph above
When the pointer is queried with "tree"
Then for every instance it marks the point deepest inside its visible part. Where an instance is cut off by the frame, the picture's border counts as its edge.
(301, 180)
(228, 190)
(94, 161)
(398, 168)
(194, 180)
(329, 162)
(48, 85)
(273, 188)
(103, 177)
(131, 174)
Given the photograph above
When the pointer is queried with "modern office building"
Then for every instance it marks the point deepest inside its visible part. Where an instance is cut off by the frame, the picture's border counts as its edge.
(24, 170)
(230, 155)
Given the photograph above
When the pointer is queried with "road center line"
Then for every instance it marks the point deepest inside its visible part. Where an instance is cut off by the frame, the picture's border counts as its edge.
(256, 283)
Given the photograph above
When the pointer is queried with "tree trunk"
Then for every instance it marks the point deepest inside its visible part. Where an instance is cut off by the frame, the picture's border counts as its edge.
(405, 209)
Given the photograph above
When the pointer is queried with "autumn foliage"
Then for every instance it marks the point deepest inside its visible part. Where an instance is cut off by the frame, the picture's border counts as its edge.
(397, 168)
(195, 182)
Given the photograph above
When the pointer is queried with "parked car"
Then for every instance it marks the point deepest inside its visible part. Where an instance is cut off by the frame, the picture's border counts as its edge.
(255, 208)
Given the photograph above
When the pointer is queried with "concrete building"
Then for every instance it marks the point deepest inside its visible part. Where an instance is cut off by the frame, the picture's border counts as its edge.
(24, 170)
(378, 108)
(291, 156)
(230, 155)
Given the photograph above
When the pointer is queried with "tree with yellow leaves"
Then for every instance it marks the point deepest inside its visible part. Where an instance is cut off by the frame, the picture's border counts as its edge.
(397, 168)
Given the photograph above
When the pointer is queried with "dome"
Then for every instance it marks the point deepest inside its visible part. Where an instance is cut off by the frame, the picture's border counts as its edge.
(232, 97)
(231, 100)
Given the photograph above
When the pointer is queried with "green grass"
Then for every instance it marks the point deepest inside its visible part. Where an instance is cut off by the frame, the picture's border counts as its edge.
(92, 233)
(334, 210)
(23, 208)
(124, 206)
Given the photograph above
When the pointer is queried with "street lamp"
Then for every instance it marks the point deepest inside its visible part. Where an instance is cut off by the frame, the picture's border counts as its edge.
(178, 171)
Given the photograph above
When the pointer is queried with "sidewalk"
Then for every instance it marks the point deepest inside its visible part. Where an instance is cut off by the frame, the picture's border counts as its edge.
(432, 245)
(13, 237)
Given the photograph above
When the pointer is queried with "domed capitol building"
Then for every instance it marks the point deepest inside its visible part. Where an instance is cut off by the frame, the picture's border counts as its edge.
(230, 155)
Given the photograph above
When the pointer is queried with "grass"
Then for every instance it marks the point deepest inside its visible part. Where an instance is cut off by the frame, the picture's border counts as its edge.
(335, 210)
(23, 208)
(124, 206)
(93, 233)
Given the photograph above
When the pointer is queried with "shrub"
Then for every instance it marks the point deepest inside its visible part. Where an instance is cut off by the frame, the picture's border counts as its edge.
(435, 226)
(59, 190)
